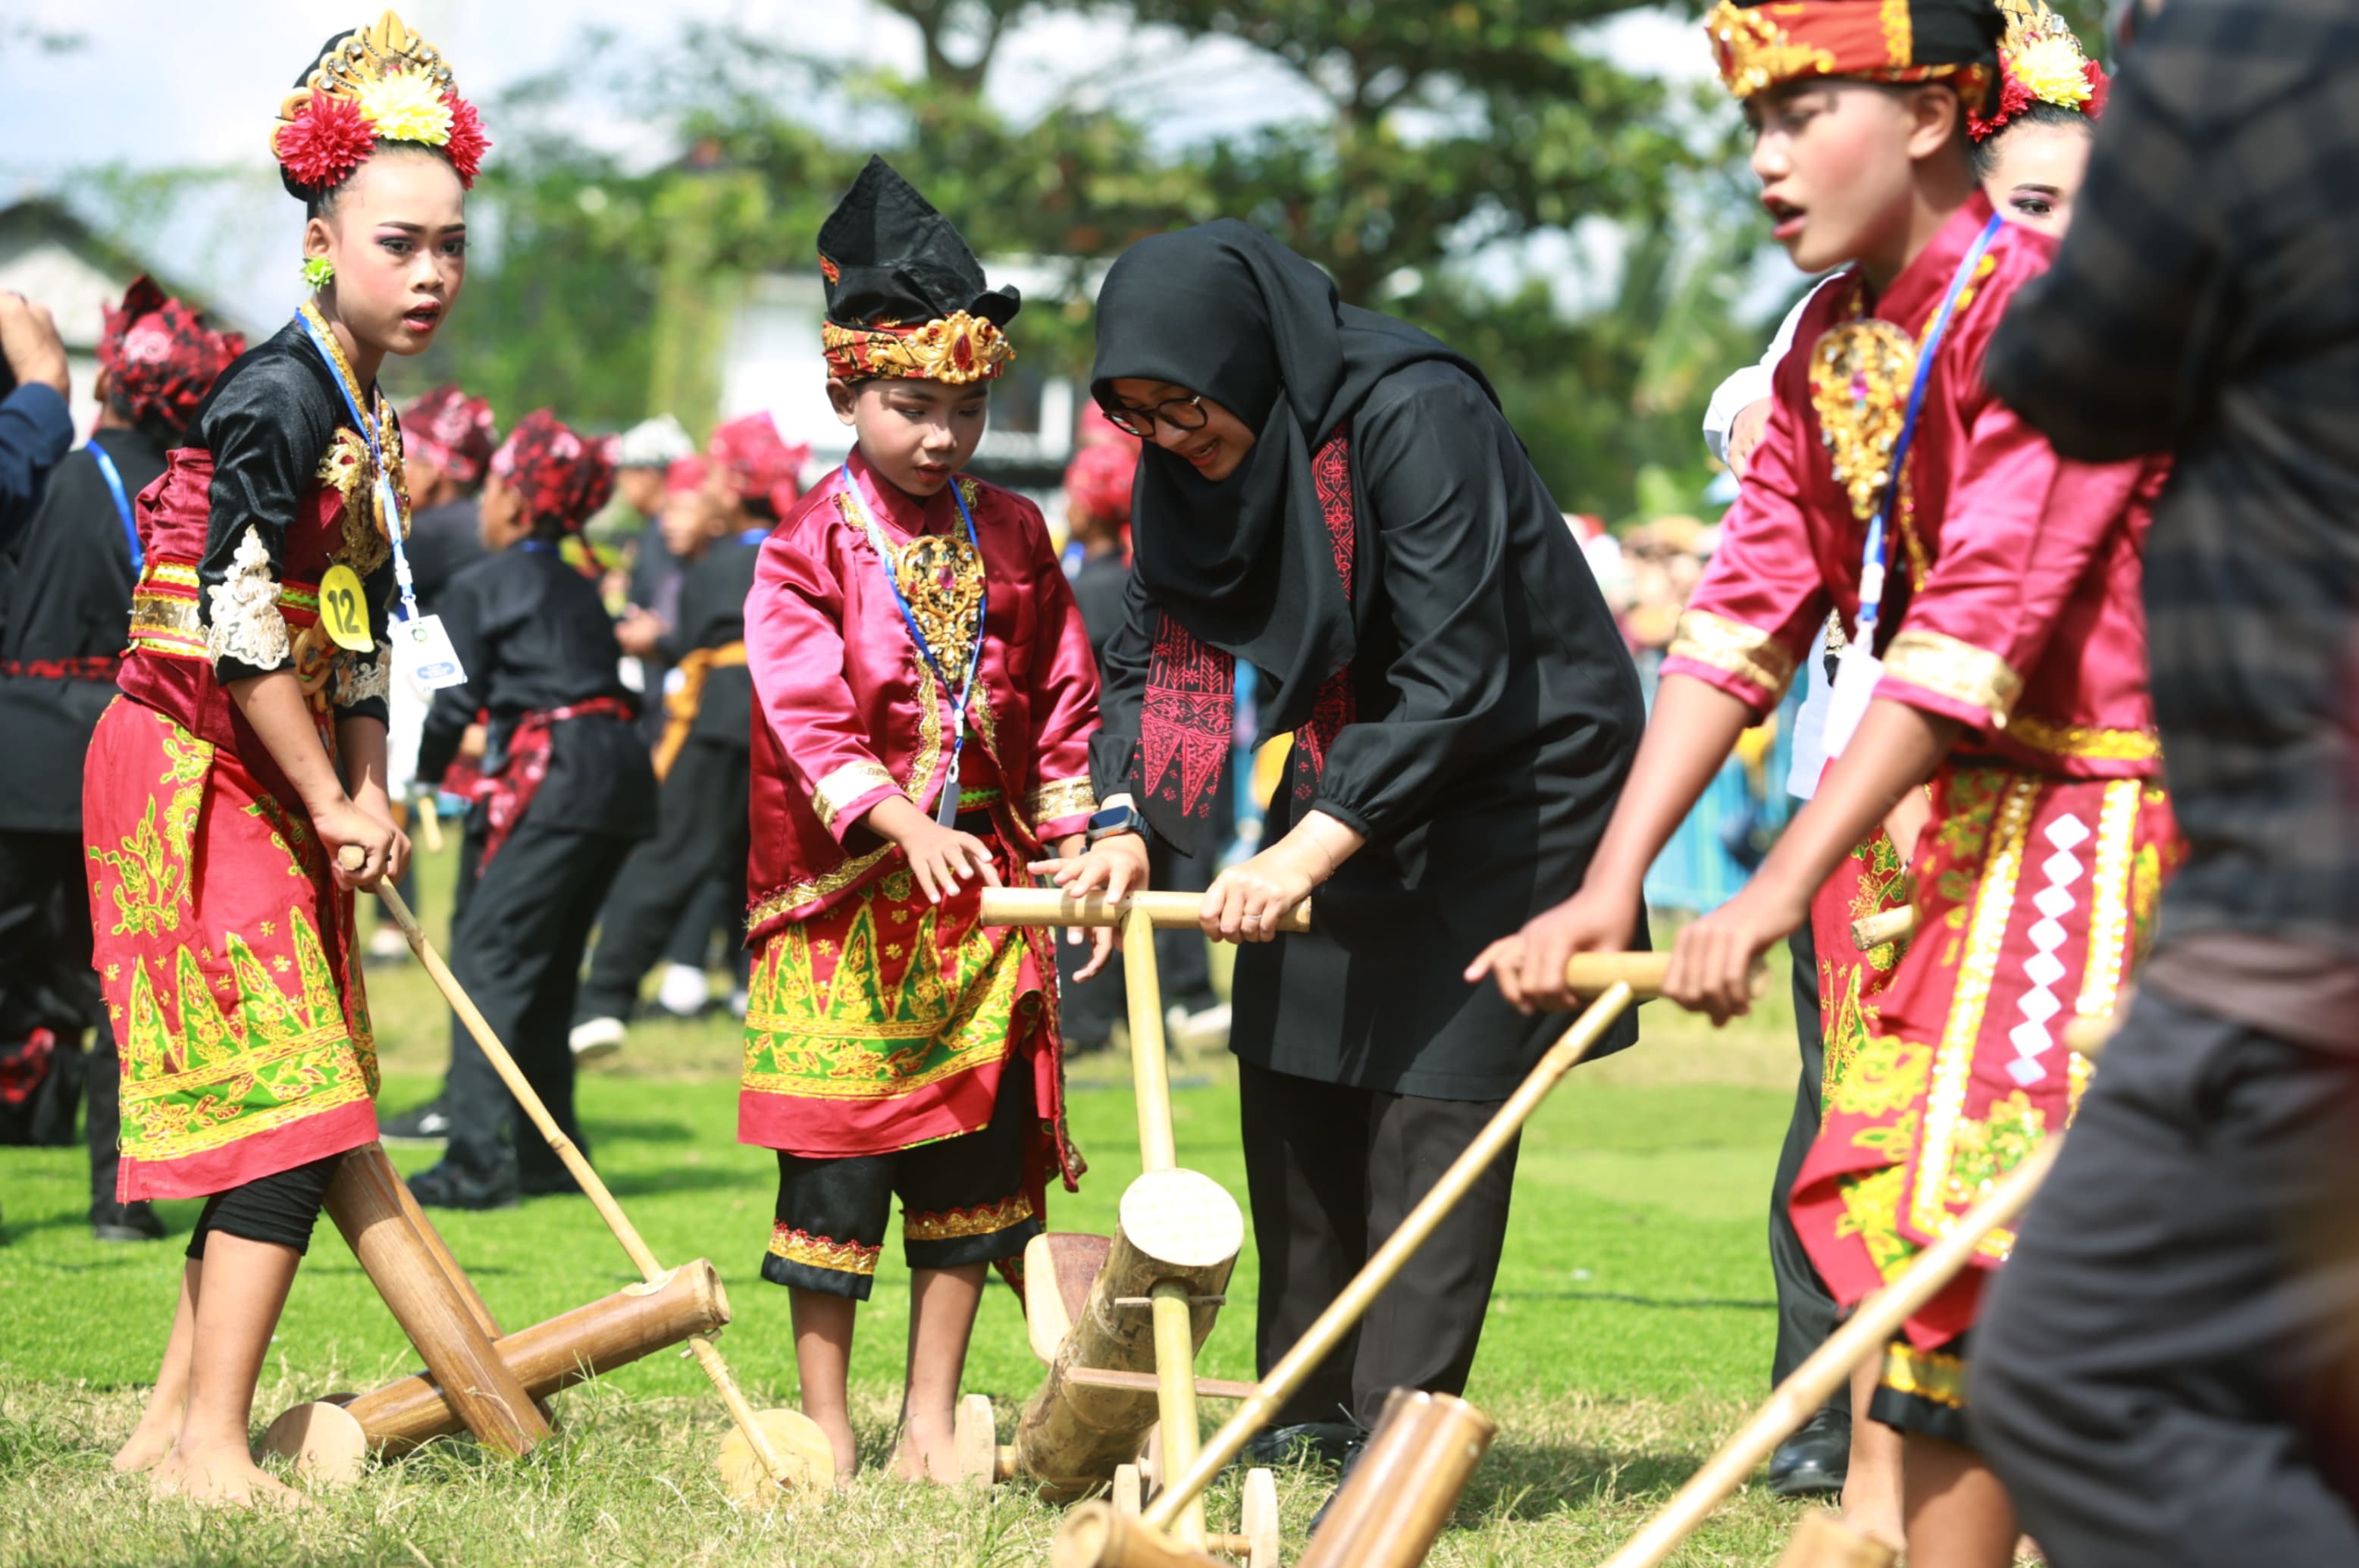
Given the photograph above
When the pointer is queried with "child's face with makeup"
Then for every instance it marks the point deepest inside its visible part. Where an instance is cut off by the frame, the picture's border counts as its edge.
(916, 434)
(397, 233)
(2036, 171)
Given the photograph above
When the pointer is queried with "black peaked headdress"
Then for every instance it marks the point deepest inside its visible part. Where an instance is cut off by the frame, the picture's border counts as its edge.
(906, 298)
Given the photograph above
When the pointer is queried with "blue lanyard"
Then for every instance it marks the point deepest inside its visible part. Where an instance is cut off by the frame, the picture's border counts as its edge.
(752, 536)
(925, 650)
(1872, 563)
(387, 502)
(538, 546)
(122, 503)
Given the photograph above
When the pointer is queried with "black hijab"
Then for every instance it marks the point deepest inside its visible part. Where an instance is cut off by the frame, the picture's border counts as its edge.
(1246, 563)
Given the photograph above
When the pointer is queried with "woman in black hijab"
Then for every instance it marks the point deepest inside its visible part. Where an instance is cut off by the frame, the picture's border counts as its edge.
(1335, 498)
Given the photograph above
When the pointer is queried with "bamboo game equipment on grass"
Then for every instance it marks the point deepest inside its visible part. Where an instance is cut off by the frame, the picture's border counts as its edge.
(1119, 1321)
(777, 1447)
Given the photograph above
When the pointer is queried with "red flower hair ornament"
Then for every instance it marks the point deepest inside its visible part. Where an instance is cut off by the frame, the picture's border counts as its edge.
(379, 83)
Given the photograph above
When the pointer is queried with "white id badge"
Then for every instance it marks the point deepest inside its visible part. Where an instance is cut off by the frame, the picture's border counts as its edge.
(1856, 673)
(422, 651)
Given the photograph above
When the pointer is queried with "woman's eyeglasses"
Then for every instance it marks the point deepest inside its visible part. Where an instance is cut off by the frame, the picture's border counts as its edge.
(1180, 412)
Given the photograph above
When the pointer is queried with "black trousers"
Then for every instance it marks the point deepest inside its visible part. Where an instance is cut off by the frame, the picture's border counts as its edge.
(1086, 1012)
(2167, 1371)
(47, 983)
(517, 945)
(701, 832)
(1805, 1308)
(1330, 1173)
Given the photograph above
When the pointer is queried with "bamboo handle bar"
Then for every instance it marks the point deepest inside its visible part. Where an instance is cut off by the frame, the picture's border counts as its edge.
(1353, 1305)
(1885, 925)
(1050, 906)
(707, 1355)
(1800, 1396)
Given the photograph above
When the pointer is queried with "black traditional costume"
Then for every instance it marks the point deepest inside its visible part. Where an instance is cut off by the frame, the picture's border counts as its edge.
(1424, 624)
(565, 791)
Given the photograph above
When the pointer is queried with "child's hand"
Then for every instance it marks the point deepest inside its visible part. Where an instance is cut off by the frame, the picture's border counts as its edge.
(1118, 864)
(941, 857)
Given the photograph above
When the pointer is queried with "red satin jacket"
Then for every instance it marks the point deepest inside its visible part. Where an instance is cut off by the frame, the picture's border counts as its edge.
(847, 712)
(2014, 574)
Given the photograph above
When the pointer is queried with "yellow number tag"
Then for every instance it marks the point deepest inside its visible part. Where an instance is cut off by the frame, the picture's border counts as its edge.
(343, 610)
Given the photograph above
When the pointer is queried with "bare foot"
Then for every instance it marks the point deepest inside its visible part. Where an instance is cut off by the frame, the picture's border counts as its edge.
(925, 1455)
(147, 1446)
(226, 1475)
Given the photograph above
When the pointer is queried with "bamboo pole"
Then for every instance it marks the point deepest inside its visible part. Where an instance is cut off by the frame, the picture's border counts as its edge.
(1401, 1506)
(1349, 1307)
(1051, 906)
(708, 1356)
(483, 1391)
(1801, 1395)
(1151, 1074)
(1895, 925)
(1175, 1399)
(1098, 1535)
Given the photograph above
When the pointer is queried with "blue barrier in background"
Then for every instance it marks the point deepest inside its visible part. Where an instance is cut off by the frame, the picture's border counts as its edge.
(1696, 873)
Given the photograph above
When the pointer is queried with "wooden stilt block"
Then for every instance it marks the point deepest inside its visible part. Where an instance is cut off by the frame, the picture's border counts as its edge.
(364, 1200)
(1258, 1520)
(1177, 1227)
(1392, 1511)
(1821, 1540)
(327, 1445)
(636, 1321)
(1095, 1536)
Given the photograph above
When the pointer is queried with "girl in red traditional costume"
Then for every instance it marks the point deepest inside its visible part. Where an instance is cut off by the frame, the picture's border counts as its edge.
(925, 696)
(565, 792)
(1997, 647)
(246, 756)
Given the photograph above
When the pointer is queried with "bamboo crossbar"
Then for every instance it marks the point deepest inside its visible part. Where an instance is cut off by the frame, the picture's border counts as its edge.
(1050, 906)
(1348, 1308)
(1885, 925)
(708, 1356)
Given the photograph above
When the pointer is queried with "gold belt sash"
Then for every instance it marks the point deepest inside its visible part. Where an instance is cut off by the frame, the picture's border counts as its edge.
(682, 703)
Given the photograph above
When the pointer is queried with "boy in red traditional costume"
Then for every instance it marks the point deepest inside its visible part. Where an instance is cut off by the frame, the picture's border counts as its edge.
(247, 755)
(564, 792)
(1998, 586)
(925, 696)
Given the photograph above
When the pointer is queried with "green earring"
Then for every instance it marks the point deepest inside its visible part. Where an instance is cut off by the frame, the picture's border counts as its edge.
(318, 270)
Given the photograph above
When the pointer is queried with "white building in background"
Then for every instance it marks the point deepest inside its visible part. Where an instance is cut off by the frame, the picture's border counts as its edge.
(772, 360)
(52, 258)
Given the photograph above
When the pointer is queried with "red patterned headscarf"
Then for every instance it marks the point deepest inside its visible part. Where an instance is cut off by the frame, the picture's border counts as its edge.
(160, 356)
(562, 478)
(760, 463)
(451, 430)
(1764, 44)
(686, 473)
(1099, 479)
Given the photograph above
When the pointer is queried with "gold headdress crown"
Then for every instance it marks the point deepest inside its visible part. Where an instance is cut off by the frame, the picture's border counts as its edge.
(379, 83)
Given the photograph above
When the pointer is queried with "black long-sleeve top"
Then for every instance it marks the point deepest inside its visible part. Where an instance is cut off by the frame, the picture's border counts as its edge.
(36, 428)
(712, 615)
(1497, 715)
(444, 541)
(534, 636)
(65, 596)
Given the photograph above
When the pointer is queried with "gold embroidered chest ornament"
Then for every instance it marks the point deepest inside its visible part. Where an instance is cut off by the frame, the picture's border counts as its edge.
(1860, 373)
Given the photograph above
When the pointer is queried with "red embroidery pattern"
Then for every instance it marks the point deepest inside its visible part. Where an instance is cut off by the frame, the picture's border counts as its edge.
(1189, 715)
(100, 666)
(508, 794)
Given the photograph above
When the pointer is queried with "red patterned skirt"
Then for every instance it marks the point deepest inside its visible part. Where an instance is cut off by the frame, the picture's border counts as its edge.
(2035, 896)
(225, 953)
(1872, 878)
(885, 1022)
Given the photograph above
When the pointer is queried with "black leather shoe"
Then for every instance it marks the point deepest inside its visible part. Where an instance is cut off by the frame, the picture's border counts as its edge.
(113, 1221)
(1814, 1461)
(1328, 1441)
(446, 1187)
(429, 1124)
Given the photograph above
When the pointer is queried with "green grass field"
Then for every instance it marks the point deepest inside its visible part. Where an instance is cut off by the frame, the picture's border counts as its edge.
(1630, 1329)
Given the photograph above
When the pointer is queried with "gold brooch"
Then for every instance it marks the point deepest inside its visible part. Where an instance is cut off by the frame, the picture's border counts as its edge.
(1858, 374)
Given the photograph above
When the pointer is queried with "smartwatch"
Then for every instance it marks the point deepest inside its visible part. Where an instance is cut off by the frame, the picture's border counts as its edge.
(1116, 820)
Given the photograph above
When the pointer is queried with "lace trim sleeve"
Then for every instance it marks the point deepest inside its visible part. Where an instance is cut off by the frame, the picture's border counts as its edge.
(243, 608)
